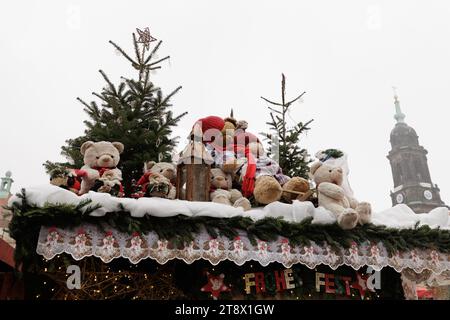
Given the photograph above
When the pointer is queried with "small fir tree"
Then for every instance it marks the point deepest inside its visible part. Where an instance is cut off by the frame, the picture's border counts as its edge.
(293, 159)
(134, 112)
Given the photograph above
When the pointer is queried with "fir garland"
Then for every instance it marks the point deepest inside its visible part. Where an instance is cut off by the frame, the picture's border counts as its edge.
(27, 220)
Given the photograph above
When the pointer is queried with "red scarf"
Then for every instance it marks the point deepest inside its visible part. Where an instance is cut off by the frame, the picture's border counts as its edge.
(248, 183)
(101, 170)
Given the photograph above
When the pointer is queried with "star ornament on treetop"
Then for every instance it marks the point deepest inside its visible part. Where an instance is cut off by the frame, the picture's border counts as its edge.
(145, 37)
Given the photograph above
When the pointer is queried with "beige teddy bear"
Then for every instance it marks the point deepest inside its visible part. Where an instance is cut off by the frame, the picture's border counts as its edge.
(99, 157)
(222, 192)
(348, 211)
(167, 169)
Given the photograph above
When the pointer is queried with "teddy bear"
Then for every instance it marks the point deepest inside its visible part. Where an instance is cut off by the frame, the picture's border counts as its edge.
(157, 181)
(154, 185)
(108, 183)
(66, 178)
(262, 176)
(222, 192)
(167, 169)
(99, 158)
(332, 196)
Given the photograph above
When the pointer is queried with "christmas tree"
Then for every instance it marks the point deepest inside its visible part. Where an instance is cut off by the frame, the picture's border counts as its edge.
(284, 139)
(134, 112)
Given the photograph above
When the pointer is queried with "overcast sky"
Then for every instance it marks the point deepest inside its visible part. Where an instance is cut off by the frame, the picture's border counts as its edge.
(345, 54)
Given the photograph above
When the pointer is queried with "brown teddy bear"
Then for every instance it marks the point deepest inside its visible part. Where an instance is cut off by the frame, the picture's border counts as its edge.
(222, 192)
(100, 157)
(262, 176)
(331, 195)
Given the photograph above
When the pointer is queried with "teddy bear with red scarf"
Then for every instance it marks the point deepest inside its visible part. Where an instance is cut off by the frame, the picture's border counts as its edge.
(100, 172)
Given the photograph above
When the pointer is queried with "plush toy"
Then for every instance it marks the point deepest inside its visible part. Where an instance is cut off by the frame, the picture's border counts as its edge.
(66, 178)
(100, 157)
(109, 183)
(157, 181)
(222, 192)
(332, 196)
(167, 169)
(262, 176)
(154, 185)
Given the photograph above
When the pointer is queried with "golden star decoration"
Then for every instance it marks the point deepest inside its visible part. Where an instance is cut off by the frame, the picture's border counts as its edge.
(145, 37)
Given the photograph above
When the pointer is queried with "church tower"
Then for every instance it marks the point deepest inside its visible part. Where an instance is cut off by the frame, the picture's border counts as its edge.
(408, 159)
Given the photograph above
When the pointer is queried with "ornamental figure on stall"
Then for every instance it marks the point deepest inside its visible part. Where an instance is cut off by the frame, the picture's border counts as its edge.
(215, 285)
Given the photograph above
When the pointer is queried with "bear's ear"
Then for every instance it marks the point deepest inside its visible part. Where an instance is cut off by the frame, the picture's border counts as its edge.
(86, 146)
(316, 165)
(119, 146)
(148, 165)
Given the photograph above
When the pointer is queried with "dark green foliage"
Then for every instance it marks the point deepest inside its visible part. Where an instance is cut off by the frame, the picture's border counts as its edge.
(292, 158)
(28, 219)
(334, 153)
(134, 112)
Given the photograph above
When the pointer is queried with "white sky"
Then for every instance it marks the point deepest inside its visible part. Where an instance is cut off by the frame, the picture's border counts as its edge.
(345, 54)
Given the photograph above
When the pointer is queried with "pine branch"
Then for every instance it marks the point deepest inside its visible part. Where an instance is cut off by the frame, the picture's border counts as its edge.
(110, 84)
(136, 50)
(292, 101)
(158, 61)
(153, 52)
(123, 53)
(271, 102)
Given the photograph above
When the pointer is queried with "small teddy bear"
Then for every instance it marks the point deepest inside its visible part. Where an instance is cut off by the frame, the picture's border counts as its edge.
(66, 178)
(157, 181)
(159, 186)
(167, 169)
(109, 183)
(332, 196)
(222, 192)
(99, 157)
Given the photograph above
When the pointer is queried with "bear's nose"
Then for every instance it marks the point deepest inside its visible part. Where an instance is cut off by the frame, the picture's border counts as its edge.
(105, 159)
(220, 178)
(339, 170)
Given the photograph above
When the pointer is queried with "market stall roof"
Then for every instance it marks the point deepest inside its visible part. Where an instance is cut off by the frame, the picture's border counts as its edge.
(97, 224)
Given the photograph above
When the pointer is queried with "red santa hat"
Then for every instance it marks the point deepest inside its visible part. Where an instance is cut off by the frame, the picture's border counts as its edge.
(209, 123)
